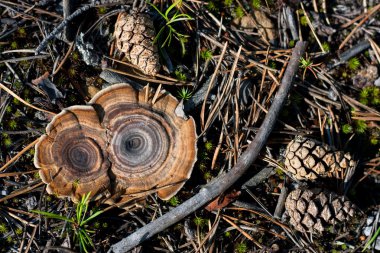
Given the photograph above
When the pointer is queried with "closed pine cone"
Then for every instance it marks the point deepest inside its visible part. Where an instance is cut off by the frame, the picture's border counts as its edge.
(312, 210)
(306, 159)
(134, 33)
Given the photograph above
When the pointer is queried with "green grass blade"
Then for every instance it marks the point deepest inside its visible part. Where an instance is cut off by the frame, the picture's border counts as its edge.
(82, 243)
(52, 215)
(158, 35)
(155, 7)
(172, 6)
(372, 239)
(178, 20)
(92, 217)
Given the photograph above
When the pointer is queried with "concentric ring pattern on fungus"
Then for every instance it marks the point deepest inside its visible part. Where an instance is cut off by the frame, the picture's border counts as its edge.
(133, 144)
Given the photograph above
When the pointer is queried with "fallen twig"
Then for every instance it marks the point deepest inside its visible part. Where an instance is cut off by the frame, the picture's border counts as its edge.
(224, 181)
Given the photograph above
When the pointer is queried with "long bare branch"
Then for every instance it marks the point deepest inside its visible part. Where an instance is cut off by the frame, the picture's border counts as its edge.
(224, 181)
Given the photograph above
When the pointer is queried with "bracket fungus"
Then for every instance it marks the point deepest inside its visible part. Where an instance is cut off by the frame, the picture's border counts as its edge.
(126, 141)
(149, 146)
(71, 155)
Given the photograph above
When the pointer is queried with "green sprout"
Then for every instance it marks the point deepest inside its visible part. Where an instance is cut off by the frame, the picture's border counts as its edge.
(199, 221)
(104, 225)
(3, 228)
(75, 55)
(353, 63)
(361, 126)
(17, 114)
(374, 141)
(76, 183)
(211, 6)
(171, 31)
(206, 54)
(36, 175)
(18, 231)
(8, 109)
(209, 146)
(180, 75)
(370, 95)
(14, 45)
(12, 124)
(307, 64)
(347, 128)
(292, 43)
(184, 93)
(303, 20)
(72, 72)
(227, 234)
(21, 31)
(256, 4)
(97, 224)
(228, 3)
(78, 222)
(102, 10)
(241, 247)
(326, 46)
(16, 101)
(207, 175)
(174, 201)
(9, 239)
(7, 142)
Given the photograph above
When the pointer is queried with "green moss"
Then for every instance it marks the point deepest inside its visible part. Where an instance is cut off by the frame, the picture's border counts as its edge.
(21, 32)
(347, 129)
(180, 75)
(16, 101)
(241, 247)
(256, 4)
(102, 10)
(14, 45)
(326, 46)
(12, 124)
(209, 146)
(303, 21)
(228, 3)
(239, 12)
(206, 54)
(19, 231)
(211, 6)
(3, 228)
(7, 142)
(360, 126)
(174, 201)
(200, 222)
(353, 63)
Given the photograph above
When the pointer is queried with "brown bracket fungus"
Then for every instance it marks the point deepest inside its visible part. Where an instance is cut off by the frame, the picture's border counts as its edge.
(71, 155)
(127, 142)
(150, 148)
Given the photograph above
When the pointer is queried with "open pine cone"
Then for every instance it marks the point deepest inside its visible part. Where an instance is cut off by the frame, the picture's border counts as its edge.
(312, 210)
(134, 33)
(307, 159)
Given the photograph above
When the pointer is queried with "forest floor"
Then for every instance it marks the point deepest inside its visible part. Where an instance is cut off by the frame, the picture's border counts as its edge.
(226, 61)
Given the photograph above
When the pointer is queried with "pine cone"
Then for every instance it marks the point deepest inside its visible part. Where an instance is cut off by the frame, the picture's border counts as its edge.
(311, 210)
(306, 159)
(134, 33)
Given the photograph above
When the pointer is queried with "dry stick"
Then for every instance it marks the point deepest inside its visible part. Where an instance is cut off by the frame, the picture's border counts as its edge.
(18, 155)
(2, 86)
(224, 181)
(373, 11)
